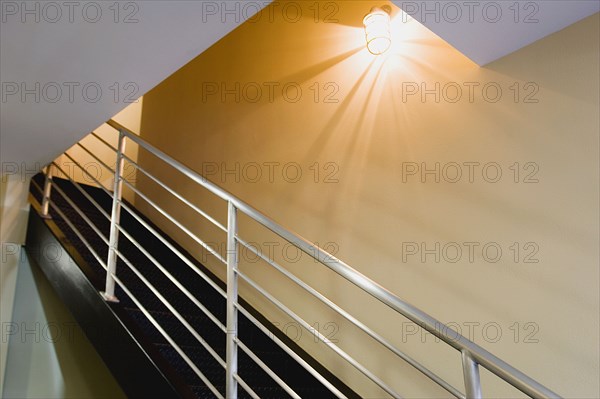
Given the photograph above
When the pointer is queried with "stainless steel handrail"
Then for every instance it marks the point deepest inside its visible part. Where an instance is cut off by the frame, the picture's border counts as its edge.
(474, 352)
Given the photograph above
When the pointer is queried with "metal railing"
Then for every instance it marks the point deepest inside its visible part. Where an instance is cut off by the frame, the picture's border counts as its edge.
(473, 356)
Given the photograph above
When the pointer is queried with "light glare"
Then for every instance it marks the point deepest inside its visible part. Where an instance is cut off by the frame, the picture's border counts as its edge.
(377, 31)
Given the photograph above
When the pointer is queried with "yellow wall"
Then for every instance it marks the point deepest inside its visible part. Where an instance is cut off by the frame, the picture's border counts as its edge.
(366, 131)
(131, 117)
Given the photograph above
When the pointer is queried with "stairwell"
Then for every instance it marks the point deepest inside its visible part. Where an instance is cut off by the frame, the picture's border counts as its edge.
(168, 327)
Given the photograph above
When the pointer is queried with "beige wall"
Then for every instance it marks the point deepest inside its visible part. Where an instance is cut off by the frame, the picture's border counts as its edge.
(364, 133)
(13, 223)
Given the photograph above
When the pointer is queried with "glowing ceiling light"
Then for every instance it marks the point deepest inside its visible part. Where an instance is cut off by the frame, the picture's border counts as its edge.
(377, 29)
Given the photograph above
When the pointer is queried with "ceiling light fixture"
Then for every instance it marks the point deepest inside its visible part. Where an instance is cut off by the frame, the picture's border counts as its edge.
(377, 30)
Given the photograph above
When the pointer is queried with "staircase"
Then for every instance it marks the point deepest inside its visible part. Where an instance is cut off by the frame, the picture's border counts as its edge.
(167, 318)
(135, 318)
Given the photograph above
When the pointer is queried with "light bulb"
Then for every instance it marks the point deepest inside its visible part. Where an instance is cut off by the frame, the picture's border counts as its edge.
(377, 30)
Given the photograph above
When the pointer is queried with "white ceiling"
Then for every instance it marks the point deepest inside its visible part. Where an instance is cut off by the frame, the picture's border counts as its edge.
(164, 35)
(485, 31)
(74, 51)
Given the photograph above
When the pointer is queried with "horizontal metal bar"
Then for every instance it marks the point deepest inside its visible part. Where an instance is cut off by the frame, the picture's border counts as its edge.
(176, 282)
(176, 222)
(246, 387)
(177, 195)
(83, 192)
(290, 352)
(343, 354)
(171, 308)
(188, 262)
(101, 162)
(430, 374)
(192, 175)
(100, 185)
(79, 212)
(485, 359)
(72, 227)
(104, 141)
(267, 369)
(169, 339)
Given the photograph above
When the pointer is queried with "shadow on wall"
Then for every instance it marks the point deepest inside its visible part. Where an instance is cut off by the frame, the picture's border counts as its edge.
(418, 146)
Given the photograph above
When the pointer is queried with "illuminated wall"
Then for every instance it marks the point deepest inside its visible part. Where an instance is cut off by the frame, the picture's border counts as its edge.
(470, 192)
(92, 169)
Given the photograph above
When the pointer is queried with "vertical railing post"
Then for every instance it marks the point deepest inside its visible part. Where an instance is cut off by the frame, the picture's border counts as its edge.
(47, 191)
(232, 298)
(109, 292)
(471, 375)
